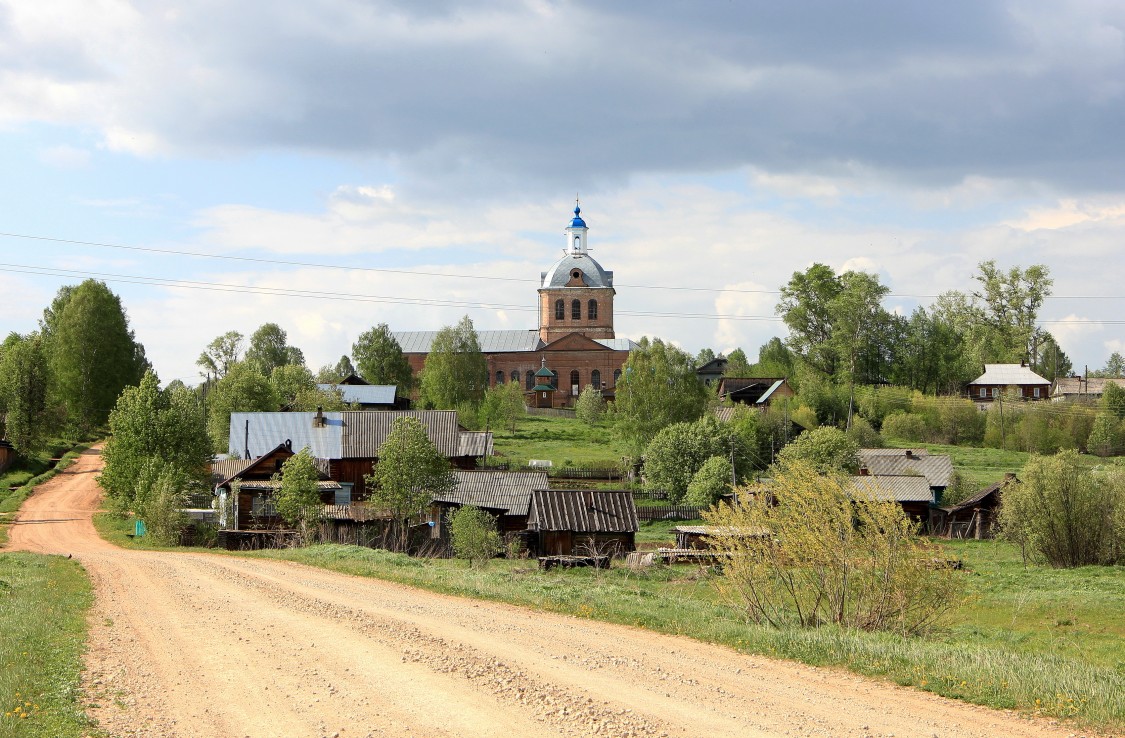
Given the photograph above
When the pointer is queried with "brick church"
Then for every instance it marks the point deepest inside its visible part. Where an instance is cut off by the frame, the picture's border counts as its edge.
(575, 338)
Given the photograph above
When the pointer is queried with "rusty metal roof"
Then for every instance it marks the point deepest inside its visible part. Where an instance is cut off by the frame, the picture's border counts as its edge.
(498, 490)
(582, 511)
(365, 430)
(936, 468)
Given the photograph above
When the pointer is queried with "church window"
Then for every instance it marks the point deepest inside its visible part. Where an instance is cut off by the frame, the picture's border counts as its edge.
(515, 376)
(576, 310)
(499, 377)
(616, 376)
(596, 379)
(530, 379)
(592, 310)
(560, 310)
(574, 382)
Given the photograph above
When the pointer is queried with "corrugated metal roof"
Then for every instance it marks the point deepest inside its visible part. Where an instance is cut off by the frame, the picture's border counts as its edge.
(498, 490)
(475, 443)
(419, 342)
(937, 469)
(979, 497)
(773, 388)
(265, 485)
(227, 468)
(1009, 374)
(365, 430)
(558, 274)
(582, 511)
(617, 344)
(892, 452)
(364, 394)
(898, 489)
(267, 431)
(1093, 386)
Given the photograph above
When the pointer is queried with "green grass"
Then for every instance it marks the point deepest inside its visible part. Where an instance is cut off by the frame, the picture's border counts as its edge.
(43, 604)
(1043, 641)
(565, 441)
(10, 500)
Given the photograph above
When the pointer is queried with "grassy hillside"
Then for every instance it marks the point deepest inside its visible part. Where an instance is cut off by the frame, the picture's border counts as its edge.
(565, 441)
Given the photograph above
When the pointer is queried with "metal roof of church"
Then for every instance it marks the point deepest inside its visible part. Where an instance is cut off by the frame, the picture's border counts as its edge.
(593, 274)
(419, 342)
(364, 394)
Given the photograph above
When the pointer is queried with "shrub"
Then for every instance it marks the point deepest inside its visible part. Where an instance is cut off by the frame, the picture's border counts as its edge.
(826, 449)
(904, 427)
(474, 535)
(590, 407)
(863, 434)
(677, 452)
(819, 555)
(710, 483)
(297, 499)
(159, 500)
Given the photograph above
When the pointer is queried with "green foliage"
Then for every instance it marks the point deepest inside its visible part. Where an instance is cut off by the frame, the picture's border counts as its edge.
(737, 364)
(658, 387)
(590, 406)
(1065, 513)
(455, 373)
(289, 381)
(1038, 427)
(910, 427)
(243, 389)
(678, 451)
(149, 424)
(705, 355)
(774, 360)
(503, 407)
(931, 356)
(474, 535)
(710, 483)
(1105, 436)
(221, 354)
(297, 499)
(804, 304)
(409, 473)
(1114, 367)
(1051, 361)
(269, 349)
(379, 359)
(24, 384)
(863, 434)
(826, 449)
(92, 353)
(1113, 400)
(159, 496)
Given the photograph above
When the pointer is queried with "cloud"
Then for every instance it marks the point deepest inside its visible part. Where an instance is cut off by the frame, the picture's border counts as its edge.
(65, 157)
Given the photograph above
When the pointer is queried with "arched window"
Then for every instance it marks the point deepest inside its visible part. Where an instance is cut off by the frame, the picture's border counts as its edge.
(560, 310)
(596, 379)
(592, 310)
(499, 377)
(616, 376)
(574, 382)
(515, 376)
(530, 379)
(576, 310)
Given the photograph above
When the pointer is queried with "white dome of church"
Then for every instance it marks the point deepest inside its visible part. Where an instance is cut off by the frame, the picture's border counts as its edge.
(577, 268)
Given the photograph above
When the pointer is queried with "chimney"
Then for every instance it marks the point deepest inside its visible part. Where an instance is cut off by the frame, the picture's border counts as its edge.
(909, 453)
(863, 471)
(318, 419)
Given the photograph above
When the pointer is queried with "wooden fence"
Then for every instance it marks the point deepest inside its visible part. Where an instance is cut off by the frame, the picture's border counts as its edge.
(669, 512)
(551, 412)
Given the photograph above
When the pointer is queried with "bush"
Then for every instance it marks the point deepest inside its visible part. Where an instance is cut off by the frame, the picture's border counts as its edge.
(1065, 513)
(590, 407)
(474, 535)
(159, 500)
(677, 452)
(819, 555)
(863, 434)
(904, 427)
(825, 449)
(710, 483)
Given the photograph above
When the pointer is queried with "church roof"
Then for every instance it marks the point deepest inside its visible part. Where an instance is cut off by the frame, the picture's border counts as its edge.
(577, 221)
(419, 342)
(592, 273)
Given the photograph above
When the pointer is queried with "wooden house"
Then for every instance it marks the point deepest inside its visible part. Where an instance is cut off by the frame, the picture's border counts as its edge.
(898, 462)
(975, 517)
(1000, 378)
(1082, 389)
(252, 507)
(754, 391)
(912, 493)
(711, 372)
(504, 495)
(581, 523)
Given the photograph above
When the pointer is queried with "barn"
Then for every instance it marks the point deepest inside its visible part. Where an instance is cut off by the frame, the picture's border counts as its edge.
(581, 523)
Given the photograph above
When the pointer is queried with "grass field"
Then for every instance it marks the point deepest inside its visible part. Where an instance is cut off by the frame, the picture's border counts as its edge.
(565, 441)
(43, 604)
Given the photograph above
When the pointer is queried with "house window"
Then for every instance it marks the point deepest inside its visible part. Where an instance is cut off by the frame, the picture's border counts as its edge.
(576, 310)
(592, 310)
(515, 376)
(596, 379)
(616, 376)
(1036, 392)
(344, 494)
(530, 379)
(499, 377)
(262, 507)
(994, 392)
(983, 392)
(574, 382)
(560, 310)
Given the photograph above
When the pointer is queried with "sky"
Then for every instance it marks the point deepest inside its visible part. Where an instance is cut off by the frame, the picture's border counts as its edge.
(328, 165)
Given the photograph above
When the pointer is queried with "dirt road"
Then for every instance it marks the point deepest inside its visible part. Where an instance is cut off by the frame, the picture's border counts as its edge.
(200, 645)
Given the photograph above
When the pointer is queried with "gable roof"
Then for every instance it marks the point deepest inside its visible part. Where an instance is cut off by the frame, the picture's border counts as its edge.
(893, 488)
(574, 342)
(498, 490)
(364, 394)
(937, 469)
(474, 443)
(283, 450)
(349, 434)
(365, 431)
(582, 511)
(227, 468)
(1093, 386)
(979, 497)
(419, 342)
(1009, 374)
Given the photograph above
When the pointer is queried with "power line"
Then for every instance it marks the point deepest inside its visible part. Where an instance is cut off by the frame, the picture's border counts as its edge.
(418, 272)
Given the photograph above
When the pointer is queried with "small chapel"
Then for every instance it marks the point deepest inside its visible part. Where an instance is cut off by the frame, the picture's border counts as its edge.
(574, 345)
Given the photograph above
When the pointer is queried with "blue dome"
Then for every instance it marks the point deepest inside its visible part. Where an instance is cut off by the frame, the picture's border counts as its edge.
(577, 222)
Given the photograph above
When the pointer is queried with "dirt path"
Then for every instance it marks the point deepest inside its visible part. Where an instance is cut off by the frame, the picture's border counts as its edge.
(196, 645)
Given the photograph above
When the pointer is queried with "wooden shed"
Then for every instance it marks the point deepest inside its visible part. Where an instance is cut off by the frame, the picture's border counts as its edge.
(912, 493)
(505, 495)
(975, 517)
(564, 522)
(7, 454)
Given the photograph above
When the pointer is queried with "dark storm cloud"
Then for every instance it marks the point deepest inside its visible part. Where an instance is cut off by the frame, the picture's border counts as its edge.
(498, 94)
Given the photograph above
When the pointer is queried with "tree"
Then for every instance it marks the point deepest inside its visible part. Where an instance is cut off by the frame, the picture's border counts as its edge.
(658, 387)
(379, 359)
(705, 355)
(503, 406)
(92, 353)
(158, 497)
(149, 424)
(1011, 302)
(805, 305)
(297, 496)
(1053, 361)
(24, 383)
(710, 483)
(826, 449)
(474, 535)
(409, 474)
(455, 372)
(1113, 400)
(243, 389)
(737, 364)
(774, 360)
(819, 553)
(855, 315)
(1063, 512)
(1105, 436)
(590, 405)
(221, 354)
(289, 381)
(677, 452)
(269, 350)
(1114, 366)
(932, 356)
